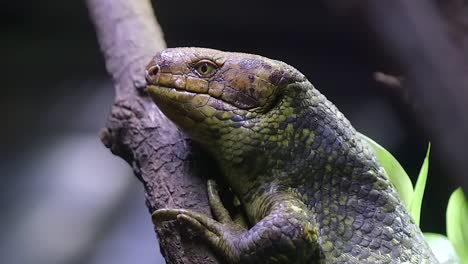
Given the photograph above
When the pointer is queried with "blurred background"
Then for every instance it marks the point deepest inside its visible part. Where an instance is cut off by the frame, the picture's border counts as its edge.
(66, 199)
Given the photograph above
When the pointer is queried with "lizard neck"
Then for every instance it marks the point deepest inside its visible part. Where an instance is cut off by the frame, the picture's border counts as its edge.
(303, 143)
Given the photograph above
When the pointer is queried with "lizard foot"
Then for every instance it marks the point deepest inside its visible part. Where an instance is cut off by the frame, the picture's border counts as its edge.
(285, 235)
(219, 210)
(219, 233)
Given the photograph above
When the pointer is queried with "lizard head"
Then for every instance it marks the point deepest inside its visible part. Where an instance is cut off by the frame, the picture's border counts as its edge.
(210, 93)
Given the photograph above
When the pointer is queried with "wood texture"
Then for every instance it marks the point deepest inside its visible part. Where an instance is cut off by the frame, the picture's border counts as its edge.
(161, 157)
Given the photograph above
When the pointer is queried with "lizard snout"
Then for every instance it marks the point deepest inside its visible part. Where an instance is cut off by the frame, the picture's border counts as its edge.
(152, 74)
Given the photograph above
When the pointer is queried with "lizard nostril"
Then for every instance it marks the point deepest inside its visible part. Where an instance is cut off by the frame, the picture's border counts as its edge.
(152, 74)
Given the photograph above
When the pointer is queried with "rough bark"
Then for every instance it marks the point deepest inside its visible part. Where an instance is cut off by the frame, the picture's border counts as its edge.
(161, 157)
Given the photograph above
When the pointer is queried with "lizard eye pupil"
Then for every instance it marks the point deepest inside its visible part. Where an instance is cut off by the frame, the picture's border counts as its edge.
(205, 68)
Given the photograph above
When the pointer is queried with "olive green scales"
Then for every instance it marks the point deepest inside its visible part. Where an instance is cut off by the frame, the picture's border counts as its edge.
(311, 188)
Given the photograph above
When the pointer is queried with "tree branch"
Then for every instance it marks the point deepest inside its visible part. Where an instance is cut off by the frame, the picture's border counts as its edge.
(422, 39)
(161, 156)
(429, 40)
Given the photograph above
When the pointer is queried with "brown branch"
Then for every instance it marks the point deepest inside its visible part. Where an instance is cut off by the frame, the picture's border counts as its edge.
(416, 34)
(429, 39)
(389, 80)
(136, 130)
(396, 85)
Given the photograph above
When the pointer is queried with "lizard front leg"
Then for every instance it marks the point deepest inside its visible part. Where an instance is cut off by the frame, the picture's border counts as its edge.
(287, 234)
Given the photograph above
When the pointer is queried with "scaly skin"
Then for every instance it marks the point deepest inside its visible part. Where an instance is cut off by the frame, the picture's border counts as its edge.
(311, 188)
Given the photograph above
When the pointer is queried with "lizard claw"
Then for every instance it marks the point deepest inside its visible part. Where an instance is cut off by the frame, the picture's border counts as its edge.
(209, 235)
(164, 215)
(196, 219)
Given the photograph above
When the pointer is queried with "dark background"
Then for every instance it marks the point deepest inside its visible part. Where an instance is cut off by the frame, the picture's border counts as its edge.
(66, 199)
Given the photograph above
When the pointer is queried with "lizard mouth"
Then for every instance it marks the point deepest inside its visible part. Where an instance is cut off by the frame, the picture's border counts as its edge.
(187, 99)
(158, 89)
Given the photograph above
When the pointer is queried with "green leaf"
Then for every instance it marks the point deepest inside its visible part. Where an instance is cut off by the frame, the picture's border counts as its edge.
(397, 175)
(416, 202)
(457, 224)
(442, 248)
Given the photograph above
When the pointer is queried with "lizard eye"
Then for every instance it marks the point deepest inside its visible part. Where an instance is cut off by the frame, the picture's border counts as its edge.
(205, 68)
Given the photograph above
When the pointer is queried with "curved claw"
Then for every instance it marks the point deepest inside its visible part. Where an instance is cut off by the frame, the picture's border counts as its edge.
(207, 227)
(162, 215)
(212, 237)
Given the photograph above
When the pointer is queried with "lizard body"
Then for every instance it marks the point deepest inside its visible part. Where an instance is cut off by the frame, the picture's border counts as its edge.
(310, 186)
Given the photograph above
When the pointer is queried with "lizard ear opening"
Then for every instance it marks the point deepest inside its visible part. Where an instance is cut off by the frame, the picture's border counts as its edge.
(286, 76)
(274, 102)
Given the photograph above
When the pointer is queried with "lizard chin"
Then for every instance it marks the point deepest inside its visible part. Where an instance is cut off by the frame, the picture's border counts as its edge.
(177, 105)
(200, 115)
(160, 93)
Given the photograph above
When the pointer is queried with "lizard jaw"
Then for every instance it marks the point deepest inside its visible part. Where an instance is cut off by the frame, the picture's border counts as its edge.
(187, 99)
